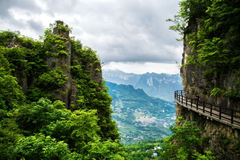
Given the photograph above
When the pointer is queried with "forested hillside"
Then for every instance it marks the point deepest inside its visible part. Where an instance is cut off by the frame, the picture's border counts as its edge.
(155, 85)
(160, 85)
(140, 117)
(184, 144)
(53, 104)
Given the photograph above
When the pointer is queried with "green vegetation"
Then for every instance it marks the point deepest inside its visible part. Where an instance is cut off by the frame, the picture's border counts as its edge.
(138, 116)
(53, 79)
(34, 122)
(145, 149)
(184, 144)
(212, 27)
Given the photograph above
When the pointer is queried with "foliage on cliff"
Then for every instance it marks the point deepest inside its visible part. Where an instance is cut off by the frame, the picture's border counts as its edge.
(216, 40)
(184, 144)
(35, 124)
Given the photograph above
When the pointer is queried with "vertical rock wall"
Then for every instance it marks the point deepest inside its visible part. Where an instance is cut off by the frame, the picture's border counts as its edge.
(68, 92)
(63, 62)
(194, 82)
(219, 138)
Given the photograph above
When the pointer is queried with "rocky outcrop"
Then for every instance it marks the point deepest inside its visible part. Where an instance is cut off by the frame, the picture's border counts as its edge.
(63, 62)
(194, 82)
(59, 56)
(218, 138)
(68, 92)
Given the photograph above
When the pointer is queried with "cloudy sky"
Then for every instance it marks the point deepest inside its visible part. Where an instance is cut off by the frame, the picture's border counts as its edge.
(130, 35)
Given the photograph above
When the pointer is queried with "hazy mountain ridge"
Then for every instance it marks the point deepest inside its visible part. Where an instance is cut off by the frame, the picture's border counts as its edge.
(160, 85)
(120, 77)
(139, 116)
(156, 85)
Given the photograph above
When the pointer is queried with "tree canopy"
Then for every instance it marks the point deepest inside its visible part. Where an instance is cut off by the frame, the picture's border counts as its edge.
(34, 123)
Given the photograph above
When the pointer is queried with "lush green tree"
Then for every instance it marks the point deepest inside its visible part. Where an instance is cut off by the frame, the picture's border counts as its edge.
(10, 91)
(106, 150)
(42, 147)
(35, 117)
(144, 150)
(185, 142)
(36, 125)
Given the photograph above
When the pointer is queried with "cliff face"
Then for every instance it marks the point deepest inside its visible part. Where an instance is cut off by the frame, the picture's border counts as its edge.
(60, 68)
(61, 55)
(51, 91)
(194, 82)
(64, 63)
(218, 138)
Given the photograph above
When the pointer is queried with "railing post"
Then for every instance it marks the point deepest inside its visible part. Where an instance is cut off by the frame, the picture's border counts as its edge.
(182, 99)
(197, 104)
(186, 101)
(211, 110)
(220, 111)
(204, 107)
(232, 117)
(191, 102)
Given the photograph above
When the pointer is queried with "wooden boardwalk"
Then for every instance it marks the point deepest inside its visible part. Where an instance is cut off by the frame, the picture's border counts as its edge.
(223, 115)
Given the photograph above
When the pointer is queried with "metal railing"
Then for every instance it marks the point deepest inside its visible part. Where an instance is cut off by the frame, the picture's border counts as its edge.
(223, 114)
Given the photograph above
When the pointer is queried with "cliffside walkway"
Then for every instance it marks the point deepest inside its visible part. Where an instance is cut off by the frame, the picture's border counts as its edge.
(221, 114)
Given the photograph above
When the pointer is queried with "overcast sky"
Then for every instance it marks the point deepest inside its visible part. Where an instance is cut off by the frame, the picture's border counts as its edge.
(130, 35)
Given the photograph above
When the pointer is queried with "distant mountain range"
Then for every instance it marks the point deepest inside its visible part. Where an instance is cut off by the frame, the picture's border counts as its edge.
(139, 116)
(120, 77)
(155, 85)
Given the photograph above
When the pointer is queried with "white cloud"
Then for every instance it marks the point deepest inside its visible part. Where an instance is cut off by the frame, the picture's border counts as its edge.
(123, 31)
(141, 68)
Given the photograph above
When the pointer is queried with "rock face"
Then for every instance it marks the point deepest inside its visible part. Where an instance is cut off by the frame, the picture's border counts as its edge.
(219, 138)
(67, 93)
(63, 62)
(60, 56)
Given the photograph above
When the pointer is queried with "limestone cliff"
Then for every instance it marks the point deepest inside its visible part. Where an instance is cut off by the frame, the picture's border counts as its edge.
(52, 92)
(60, 55)
(219, 138)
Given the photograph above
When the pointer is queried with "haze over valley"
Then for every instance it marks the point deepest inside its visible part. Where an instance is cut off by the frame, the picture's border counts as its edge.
(142, 103)
(139, 116)
(156, 85)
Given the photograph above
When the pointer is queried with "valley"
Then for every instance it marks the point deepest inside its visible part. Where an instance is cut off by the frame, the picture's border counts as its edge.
(155, 85)
(139, 116)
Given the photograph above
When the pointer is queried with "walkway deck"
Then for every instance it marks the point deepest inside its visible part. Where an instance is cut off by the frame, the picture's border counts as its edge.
(223, 115)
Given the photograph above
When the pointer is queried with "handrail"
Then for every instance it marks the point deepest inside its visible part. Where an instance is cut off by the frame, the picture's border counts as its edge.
(222, 114)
